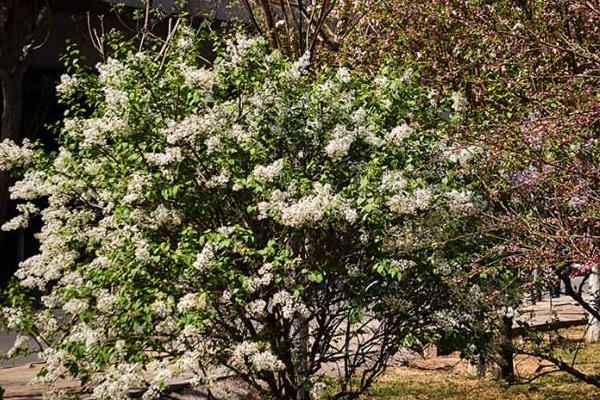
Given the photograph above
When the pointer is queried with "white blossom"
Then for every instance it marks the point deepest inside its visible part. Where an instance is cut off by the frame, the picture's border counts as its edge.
(33, 185)
(191, 301)
(118, 380)
(460, 154)
(135, 188)
(219, 180)
(19, 222)
(105, 301)
(460, 200)
(288, 305)
(85, 334)
(75, 306)
(205, 257)
(250, 353)
(459, 102)
(340, 143)
(68, 85)
(262, 279)
(409, 203)
(300, 66)
(393, 181)
(267, 173)
(343, 75)
(238, 49)
(21, 343)
(171, 155)
(256, 308)
(398, 135)
(199, 78)
(13, 155)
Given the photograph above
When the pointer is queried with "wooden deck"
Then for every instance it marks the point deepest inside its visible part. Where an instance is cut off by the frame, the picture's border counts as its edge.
(550, 314)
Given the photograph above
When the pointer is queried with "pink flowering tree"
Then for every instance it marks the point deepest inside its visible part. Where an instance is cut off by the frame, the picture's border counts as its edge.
(527, 72)
(245, 217)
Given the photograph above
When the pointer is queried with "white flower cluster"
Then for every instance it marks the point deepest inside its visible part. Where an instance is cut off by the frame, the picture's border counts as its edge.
(170, 156)
(68, 85)
(136, 186)
(22, 220)
(161, 307)
(238, 50)
(402, 265)
(163, 371)
(409, 203)
(112, 74)
(33, 186)
(13, 155)
(185, 42)
(460, 200)
(460, 154)
(249, 353)
(288, 305)
(262, 279)
(393, 181)
(205, 257)
(257, 308)
(191, 302)
(343, 74)
(162, 216)
(194, 128)
(459, 102)
(398, 135)
(118, 380)
(198, 78)
(55, 361)
(340, 143)
(105, 301)
(94, 132)
(75, 306)
(85, 334)
(21, 344)
(219, 180)
(267, 173)
(300, 66)
(308, 209)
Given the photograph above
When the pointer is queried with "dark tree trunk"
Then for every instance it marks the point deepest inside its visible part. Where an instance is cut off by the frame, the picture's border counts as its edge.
(505, 350)
(12, 100)
(14, 15)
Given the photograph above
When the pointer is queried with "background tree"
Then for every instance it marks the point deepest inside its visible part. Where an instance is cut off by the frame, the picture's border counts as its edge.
(527, 74)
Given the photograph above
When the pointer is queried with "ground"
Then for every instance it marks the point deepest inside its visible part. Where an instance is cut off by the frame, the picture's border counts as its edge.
(439, 378)
(434, 378)
(411, 384)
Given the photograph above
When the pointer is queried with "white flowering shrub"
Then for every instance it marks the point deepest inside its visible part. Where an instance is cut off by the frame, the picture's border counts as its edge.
(247, 217)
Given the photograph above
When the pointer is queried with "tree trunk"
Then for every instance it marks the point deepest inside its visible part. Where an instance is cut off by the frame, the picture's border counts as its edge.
(12, 101)
(11, 83)
(505, 349)
(593, 331)
(300, 353)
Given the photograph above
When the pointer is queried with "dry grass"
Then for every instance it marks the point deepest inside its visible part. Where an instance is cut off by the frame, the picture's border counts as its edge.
(409, 384)
(455, 384)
